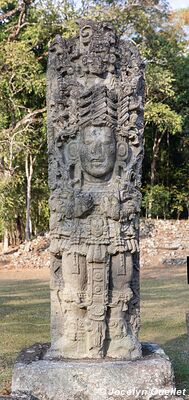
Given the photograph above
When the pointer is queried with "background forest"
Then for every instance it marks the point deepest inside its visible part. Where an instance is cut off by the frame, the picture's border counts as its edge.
(26, 27)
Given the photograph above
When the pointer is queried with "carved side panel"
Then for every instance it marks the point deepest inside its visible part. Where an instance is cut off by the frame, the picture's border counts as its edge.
(95, 94)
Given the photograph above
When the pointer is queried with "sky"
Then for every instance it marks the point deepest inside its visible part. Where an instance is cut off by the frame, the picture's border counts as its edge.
(179, 3)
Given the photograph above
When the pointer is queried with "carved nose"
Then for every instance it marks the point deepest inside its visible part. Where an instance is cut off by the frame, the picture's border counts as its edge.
(100, 149)
(97, 149)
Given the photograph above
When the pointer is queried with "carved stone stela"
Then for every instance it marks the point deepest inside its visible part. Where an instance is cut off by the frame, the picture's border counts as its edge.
(95, 95)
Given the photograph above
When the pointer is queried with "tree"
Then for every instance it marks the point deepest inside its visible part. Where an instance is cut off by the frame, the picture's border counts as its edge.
(156, 201)
(162, 120)
(22, 92)
(26, 27)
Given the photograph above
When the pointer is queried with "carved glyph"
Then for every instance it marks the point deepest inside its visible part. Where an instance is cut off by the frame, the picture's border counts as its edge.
(95, 94)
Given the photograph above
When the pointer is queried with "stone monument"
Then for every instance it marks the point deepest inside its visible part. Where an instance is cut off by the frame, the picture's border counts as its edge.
(95, 98)
(95, 123)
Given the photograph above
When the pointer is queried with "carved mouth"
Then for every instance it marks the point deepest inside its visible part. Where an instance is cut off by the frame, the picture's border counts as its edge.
(99, 161)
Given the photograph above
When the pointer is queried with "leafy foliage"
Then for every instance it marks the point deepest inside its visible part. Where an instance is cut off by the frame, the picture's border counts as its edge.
(163, 118)
(156, 201)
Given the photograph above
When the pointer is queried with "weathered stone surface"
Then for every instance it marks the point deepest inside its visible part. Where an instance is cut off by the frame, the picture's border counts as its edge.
(95, 95)
(95, 379)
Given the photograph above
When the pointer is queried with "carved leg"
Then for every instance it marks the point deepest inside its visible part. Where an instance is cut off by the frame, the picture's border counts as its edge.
(67, 307)
(122, 344)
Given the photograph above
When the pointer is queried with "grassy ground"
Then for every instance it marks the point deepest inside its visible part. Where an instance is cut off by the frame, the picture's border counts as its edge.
(165, 301)
(24, 317)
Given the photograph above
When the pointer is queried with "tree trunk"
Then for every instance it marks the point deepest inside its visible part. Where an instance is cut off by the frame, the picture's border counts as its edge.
(153, 169)
(18, 229)
(150, 206)
(155, 153)
(5, 241)
(29, 172)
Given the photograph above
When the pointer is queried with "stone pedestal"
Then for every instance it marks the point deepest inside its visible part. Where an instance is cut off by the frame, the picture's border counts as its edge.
(94, 380)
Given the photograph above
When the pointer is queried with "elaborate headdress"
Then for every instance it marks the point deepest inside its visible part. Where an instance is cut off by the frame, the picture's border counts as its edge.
(98, 106)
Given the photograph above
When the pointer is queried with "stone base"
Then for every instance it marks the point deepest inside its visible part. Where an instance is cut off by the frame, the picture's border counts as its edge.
(94, 380)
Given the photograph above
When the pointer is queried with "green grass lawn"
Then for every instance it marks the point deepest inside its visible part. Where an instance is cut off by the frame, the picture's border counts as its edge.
(25, 312)
(165, 301)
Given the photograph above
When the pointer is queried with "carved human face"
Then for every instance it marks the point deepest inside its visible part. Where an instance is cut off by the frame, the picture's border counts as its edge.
(97, 151)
